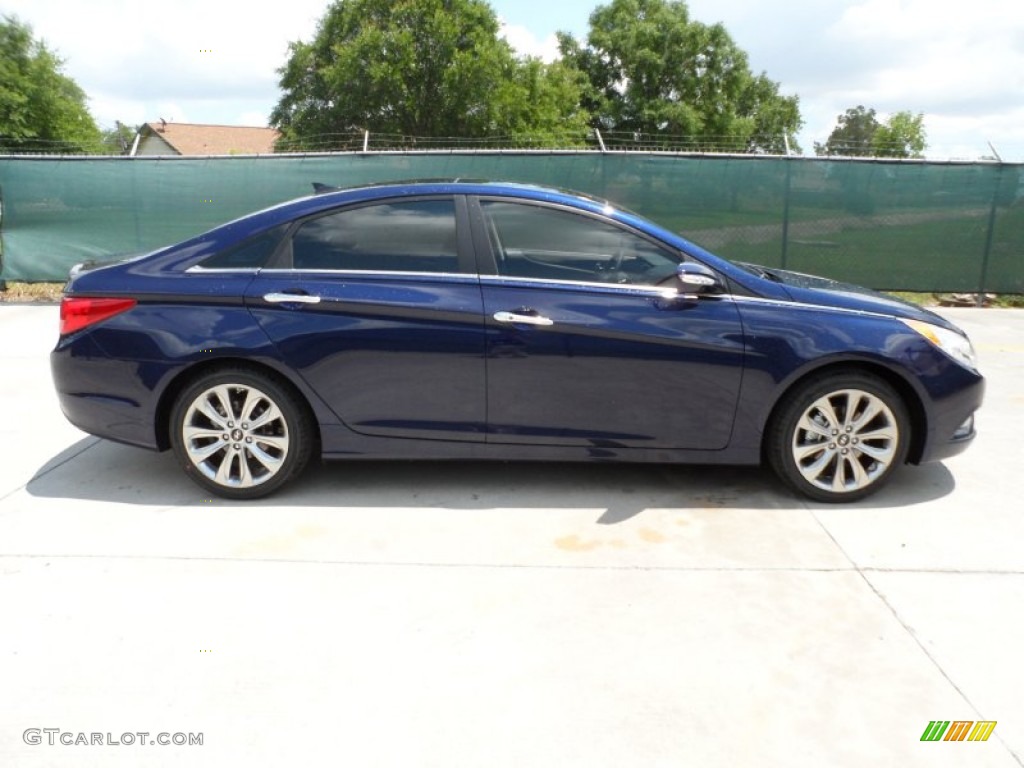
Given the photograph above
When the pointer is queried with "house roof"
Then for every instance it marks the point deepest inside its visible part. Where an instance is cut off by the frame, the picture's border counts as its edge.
(199, 139)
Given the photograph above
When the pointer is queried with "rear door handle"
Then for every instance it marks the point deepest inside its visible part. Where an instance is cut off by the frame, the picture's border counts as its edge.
(518, 319)
(291, 298)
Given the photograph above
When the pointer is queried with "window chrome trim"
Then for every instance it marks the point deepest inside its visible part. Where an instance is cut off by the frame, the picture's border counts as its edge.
(375, 274)
(200, 269)
(625, 288)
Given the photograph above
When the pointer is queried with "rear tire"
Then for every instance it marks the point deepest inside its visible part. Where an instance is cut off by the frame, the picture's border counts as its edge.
(839, 437)
(240, 434)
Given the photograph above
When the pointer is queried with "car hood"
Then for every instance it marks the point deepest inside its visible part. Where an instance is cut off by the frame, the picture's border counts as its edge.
(824, 292)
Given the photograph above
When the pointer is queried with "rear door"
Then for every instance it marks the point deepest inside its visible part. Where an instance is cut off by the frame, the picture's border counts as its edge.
(378, 307)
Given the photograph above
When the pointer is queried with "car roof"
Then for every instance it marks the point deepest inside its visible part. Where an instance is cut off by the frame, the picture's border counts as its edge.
(455, 186)
(325, 198)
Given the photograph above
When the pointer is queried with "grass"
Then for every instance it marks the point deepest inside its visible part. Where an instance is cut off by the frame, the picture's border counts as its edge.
(32, 292)
(921, 299)
(1008, 301)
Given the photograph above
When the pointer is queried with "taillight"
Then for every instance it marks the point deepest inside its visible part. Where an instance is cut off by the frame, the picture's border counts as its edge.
(77, 313)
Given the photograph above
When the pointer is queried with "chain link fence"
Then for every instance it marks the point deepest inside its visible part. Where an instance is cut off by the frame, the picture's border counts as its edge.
(894, 225)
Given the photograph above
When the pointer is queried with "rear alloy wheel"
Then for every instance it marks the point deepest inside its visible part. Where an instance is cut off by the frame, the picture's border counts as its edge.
(839, 437)
(240, 434)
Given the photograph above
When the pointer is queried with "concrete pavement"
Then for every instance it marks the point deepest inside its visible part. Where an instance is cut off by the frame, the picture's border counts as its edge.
(387, 614)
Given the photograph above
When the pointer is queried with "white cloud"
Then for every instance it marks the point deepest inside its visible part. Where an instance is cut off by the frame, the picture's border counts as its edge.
(212, 59)
(253, 117)
(961, 64)
(526, 43)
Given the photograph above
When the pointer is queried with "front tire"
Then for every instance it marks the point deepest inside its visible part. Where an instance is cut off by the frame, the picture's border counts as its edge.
(240, 434)
(839, 437)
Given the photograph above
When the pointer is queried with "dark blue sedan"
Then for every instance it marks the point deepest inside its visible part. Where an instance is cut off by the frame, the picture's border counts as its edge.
(499, 321)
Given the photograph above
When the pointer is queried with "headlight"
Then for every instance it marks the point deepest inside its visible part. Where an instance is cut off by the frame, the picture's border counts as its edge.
(954, 344)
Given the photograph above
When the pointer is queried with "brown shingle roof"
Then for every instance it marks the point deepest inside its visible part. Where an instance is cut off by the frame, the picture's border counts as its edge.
(198, 139)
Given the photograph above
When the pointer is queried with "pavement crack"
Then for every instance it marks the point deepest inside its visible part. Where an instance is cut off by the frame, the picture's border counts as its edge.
(863, 573)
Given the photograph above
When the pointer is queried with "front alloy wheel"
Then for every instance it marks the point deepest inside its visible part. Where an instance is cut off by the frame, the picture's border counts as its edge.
(838, 438)
(240, 434)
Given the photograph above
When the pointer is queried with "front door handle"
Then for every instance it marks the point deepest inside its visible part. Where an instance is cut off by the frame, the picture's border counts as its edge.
(291, 298)
(518, 319)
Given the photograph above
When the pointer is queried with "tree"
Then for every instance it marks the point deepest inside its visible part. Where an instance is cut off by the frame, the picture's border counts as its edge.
(859, 134)
(118, 140)
(426, 68)
(853, 135)
(656, 73)
(540, 103)
(41, 109)
(902, 135)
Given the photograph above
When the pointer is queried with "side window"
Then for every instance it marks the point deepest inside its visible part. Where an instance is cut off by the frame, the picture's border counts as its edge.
(407, 236)
(552, 244)
(251, 254)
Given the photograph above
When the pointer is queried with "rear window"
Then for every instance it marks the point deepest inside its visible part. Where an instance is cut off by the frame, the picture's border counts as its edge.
(406, 236)
(249, 254)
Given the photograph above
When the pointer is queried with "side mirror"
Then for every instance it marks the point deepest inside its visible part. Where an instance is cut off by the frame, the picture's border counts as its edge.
(698, 279)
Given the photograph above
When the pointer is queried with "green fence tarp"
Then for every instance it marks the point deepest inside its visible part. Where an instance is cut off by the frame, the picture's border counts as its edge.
(900, 225)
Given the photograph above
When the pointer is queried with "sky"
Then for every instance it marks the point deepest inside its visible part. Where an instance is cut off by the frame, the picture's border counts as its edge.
(214, 61)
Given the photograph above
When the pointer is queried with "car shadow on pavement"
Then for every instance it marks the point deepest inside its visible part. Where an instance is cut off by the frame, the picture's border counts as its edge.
(99, 470)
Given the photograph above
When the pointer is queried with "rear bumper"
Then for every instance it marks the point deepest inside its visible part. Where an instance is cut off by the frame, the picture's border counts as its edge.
(97, 397)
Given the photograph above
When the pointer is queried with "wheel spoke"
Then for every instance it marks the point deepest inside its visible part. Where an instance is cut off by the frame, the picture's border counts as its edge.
(223, 476)
(245, 473)
(810, 425)
(879, 454)
(201, 454)
(805, 451)
(815, 469)
(839, 478)
(825, 407)
(223, 395)
(279, 443)
(860, 476)
(272, 463)
(198, 433)
(873, 408)
(252, 399)
(271, 414)
(887, 432)
(207, 409)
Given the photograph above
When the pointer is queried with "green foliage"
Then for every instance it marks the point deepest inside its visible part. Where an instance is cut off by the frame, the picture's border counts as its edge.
(902, 135)
(118, 140)
(859, 134)
(656, 73)
(41, 109)
(428, 68)
(853, 135)
(540, 103)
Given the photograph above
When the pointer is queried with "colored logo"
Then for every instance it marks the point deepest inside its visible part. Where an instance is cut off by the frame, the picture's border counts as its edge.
(959, 730)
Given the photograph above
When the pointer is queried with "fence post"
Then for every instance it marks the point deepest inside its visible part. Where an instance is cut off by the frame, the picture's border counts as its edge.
(785, 210)
(989, 235)
(3, 282)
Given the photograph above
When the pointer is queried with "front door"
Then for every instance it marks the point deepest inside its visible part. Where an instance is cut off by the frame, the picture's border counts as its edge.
(585, 346)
